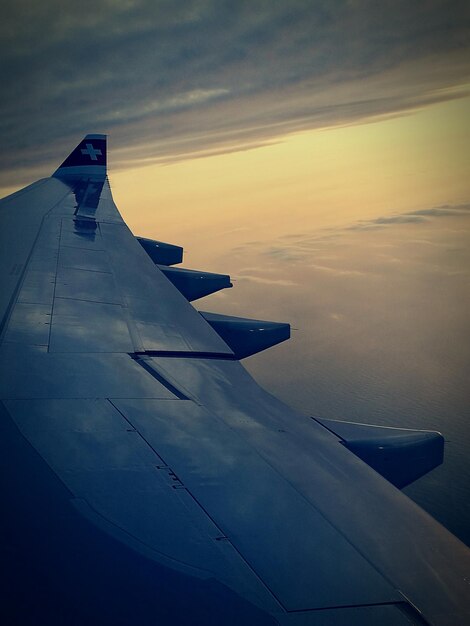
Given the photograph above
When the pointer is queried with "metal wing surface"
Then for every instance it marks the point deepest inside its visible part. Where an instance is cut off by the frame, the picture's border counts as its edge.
(147, 479)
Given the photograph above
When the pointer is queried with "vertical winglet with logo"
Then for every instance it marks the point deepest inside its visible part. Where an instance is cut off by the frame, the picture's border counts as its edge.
(88, 159)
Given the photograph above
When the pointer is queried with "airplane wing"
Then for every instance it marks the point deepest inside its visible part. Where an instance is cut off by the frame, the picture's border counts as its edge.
(147, 478)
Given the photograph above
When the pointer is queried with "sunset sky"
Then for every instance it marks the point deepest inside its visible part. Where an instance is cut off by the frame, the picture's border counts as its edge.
(318, 151)
(172, 81)
(227, 115)
(311, 178)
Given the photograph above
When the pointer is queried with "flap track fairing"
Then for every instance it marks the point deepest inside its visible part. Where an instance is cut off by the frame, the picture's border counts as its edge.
(194, 284)
(400, 455)
(245, 336)
(160, 252)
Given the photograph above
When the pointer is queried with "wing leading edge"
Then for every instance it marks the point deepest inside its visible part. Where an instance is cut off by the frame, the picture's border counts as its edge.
(147, 478)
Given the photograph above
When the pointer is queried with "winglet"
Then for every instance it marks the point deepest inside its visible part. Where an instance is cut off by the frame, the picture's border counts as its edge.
(88, 159)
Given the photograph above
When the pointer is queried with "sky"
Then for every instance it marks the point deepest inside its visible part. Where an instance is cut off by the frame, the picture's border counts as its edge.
(172, 80)
(315, 150)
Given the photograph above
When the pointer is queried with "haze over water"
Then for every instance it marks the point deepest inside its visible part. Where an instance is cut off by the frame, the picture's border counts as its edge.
(382, 316)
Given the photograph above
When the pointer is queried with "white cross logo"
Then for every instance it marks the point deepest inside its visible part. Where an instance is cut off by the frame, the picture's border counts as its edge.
(91, 151)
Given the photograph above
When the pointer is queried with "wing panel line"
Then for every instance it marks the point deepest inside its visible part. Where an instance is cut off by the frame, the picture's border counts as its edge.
(14, 296)
(206, 512)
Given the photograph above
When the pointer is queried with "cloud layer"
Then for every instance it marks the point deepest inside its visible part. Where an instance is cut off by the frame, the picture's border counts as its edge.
(169, 80)
(324, 250)
(414, 217)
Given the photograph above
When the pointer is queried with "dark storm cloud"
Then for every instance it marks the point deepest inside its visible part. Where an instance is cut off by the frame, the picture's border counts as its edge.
(171, 79)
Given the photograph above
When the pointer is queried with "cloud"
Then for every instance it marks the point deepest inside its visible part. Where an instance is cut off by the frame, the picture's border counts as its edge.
(267, 281)
(444, 210)
(310, 250)
(380, 222)
(338, 317)
(334, 271)
(233, 230)
(427, 242)
(421, 215)
(168, 80)
(285, 252)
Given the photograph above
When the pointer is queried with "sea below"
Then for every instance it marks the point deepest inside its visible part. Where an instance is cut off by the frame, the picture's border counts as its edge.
(380, 315)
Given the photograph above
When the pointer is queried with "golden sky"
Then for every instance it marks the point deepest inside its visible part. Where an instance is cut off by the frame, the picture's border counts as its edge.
(308, 180)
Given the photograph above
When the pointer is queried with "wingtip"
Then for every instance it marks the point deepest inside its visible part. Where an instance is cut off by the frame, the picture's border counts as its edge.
(88, 158)
(95, 136)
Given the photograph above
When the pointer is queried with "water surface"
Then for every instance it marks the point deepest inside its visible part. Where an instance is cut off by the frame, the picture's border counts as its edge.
(381, 312)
